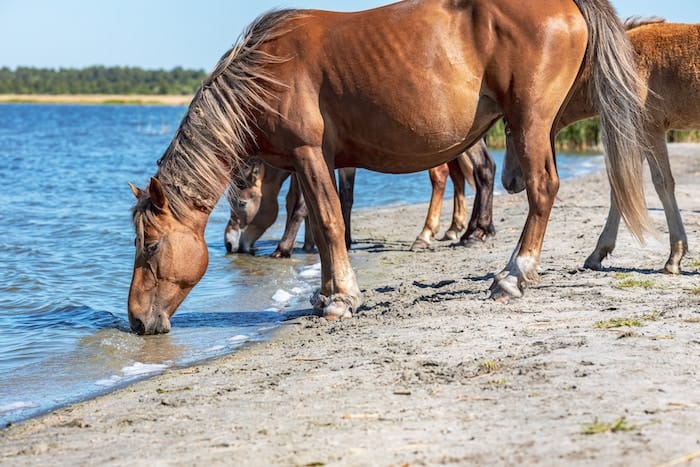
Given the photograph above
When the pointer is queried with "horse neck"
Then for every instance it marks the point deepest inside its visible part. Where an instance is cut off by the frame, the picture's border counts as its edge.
(193, 186)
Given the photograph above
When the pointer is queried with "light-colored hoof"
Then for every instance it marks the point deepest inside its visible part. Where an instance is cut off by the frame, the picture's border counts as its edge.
(336, 307)
(420, 244)
(450, 235)
(506, 287)
(671, 268)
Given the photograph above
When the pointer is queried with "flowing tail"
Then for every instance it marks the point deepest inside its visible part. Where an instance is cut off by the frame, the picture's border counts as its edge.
(615, 89)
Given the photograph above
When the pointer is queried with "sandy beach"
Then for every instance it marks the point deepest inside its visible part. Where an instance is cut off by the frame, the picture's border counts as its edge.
(589, 368)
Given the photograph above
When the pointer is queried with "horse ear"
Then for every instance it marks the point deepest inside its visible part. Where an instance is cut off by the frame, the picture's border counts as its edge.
(157, 194)
(255, 173)
(135, 190)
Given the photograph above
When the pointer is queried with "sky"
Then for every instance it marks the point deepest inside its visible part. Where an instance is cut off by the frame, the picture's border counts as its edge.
(163, 34)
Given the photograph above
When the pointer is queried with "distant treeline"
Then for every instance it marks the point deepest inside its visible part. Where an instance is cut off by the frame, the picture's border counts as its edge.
(584, 136)
(581, 136)
(99, 80)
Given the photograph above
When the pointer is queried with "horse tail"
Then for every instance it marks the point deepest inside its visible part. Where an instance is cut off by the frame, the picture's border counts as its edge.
(615, 89)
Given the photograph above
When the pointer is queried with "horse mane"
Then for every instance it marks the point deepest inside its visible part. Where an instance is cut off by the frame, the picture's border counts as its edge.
(636, 21)
(218, 130)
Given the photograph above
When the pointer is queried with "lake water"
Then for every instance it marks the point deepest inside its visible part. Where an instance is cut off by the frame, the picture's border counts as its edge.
(66, 252)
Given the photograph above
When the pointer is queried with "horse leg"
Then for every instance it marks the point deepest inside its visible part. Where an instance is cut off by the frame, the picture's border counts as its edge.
(267, 209)
(438, 180)
(262, 221)
(459, 209)
(296, 213)
(481, 221)
(606, 240)
(346, 189)
(309, 242)
(534, 145)
(665, 187)
(339, 294)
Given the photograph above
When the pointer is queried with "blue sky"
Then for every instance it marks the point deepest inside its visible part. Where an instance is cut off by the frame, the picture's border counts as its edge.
(169, 33)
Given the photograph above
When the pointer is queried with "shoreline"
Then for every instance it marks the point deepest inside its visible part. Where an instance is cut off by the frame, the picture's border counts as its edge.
(96, 99)
(430, 371)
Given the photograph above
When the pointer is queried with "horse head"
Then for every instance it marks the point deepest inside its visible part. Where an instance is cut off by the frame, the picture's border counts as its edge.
(171, 257)
(244, 200)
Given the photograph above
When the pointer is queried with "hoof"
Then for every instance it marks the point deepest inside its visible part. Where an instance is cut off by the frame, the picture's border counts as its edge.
(420, 244)
(671, 269)
(449, 235)
(505, 287)
(336, 307)
(593, 263)
(280, 254)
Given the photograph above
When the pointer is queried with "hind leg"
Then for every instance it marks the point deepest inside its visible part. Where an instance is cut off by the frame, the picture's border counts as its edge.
(606, 240)
(296, 213)
(665, 187)
(481, 222)
(339, 294)
(438, 181)
(346, 190)
(459, 206)
(533, 142)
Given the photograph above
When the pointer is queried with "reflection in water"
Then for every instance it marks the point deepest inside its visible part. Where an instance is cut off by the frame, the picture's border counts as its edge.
(114, 349)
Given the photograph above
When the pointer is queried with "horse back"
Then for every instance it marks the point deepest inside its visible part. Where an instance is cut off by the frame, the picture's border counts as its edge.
(668, 56)
(418, 78)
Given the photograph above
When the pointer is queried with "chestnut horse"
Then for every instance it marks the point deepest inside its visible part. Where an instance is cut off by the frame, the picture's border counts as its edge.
(396, 89)
(668, 60)
(254, 208)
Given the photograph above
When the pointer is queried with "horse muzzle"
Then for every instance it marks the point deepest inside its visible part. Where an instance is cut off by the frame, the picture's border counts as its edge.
(159, 323)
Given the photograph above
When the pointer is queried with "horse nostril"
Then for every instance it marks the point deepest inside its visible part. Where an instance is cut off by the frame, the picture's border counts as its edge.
(137, 326)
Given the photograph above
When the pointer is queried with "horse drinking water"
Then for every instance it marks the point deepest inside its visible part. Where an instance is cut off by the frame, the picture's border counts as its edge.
(254, 208)
(395, 89)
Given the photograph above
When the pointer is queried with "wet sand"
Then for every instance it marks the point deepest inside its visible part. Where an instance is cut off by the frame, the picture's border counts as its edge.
(589, 368)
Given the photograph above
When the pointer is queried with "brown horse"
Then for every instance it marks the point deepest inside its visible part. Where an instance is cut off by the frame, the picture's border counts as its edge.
(668, 59)
(254, 208)
(476, 166)
(397, 89)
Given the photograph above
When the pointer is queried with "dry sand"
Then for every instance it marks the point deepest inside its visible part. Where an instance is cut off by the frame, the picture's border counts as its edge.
(431, 372)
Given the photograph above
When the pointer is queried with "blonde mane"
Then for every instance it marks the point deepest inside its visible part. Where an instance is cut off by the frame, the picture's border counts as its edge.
(217, 132)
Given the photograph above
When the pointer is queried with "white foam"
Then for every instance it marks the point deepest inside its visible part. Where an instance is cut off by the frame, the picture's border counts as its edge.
(107, 382)
(282, 296)
(238, 339)
(140, 369)
(310, 272)
(214, 348)
(19, 405)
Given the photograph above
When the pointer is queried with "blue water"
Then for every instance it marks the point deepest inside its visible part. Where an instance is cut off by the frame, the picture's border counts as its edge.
(66, 253)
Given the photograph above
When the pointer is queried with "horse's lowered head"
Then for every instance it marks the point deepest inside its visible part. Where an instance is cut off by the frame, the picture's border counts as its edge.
(171, 257)
(244, 196)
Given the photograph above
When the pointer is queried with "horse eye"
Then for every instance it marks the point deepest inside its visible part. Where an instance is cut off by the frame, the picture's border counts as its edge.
(150, 248)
